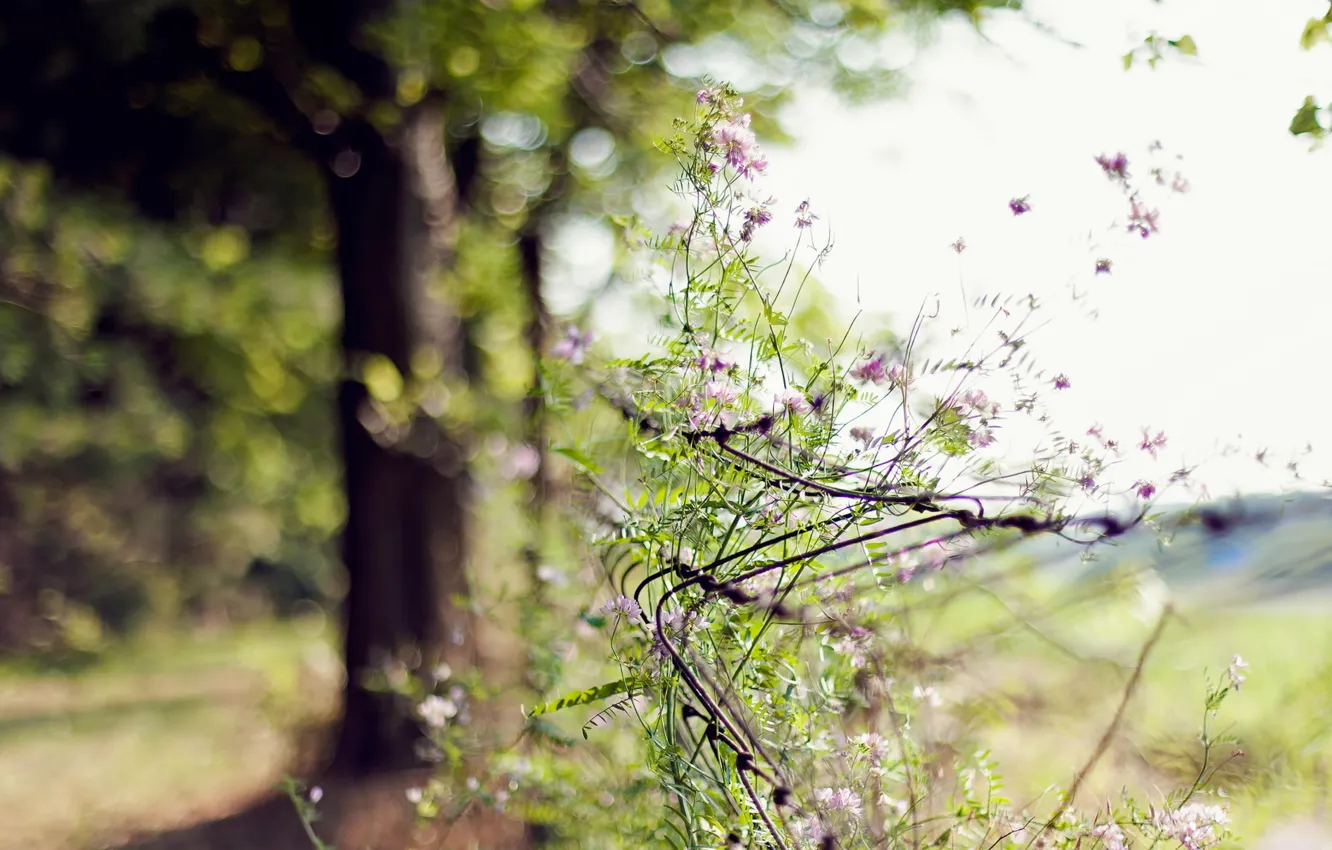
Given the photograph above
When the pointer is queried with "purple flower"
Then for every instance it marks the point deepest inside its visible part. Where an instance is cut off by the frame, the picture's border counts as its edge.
(804, 218)
(755, 217)
(719, 391)
(875, 370)
(1144, 489)
(1103, 266)
(1020, 205)
(1150, 444)
(573, 346)
(1142, 219)
(980, 437)
(839, 800)
(1087, 482)
(862, 434)
(713, 361)
(793, 400)
(622, 606)
(1061, 382)
(1115, 167)
(739, 146)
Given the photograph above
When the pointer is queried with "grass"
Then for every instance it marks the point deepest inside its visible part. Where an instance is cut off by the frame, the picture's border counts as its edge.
(171, 729)
(166, 730)
(1045, 666)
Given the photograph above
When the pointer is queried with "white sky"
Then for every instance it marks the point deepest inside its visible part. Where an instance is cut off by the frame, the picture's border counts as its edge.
(1216, 326)
(1208, 330)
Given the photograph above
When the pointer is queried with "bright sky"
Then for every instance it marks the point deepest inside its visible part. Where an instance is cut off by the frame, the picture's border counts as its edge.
(1209, 329)
(1212, 328)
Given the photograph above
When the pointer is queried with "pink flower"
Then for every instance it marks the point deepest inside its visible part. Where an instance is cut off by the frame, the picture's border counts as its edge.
(839, 800)
(862, 434)
(1142, 219)
(981, 436)
(793, 400)
(1144, 489)
(875, 370)
(959, 246)
(713, 361)
(622, 606)
(719, 391)
(739, 146)
(1150, 444)
(1061, 382)
(573, 346)
(804, 218)
(1111, 836)
(1020, 205)
(1115, 167)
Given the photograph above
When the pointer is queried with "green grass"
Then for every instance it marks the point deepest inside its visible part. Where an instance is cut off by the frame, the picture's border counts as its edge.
(1046, 666)
(167, 730)
(162, 731)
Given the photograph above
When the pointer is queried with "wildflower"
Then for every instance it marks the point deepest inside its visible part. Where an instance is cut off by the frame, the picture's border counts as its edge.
(1111, 836)
(1087, 481)
(804, 218)
(708, 95)
(1115, 167)
(1061, 382)
(1103, 266)
(1142, 219)
(573, 346)
(1179, 184)
(622, 606)
(1150, 444)
(1236, 677)
(981, 437)
(875, 746)
(414, 795)
(839, 800)
(442, 672)
(713, 361)
(739, 146)
(793, 400)
(719, 391)
(959, 246)
(1193, 825)
(862, 434)
(755, 217)
(1144, 489)
(980, 403)
(1020, 205)
(436, 711)
(316, 794)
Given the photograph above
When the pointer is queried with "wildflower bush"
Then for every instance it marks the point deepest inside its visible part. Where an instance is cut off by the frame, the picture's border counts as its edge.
(778, 503)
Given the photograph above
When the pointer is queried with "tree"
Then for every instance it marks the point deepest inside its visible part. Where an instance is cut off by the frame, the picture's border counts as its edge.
(423, 131)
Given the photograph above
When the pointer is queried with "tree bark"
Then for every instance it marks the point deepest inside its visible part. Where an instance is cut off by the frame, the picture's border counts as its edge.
(405, 540)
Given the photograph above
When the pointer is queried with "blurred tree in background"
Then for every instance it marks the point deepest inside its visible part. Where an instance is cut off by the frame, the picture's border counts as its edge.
(186, 176)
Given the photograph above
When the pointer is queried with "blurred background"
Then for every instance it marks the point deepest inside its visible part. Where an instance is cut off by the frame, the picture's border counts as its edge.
(276, 282)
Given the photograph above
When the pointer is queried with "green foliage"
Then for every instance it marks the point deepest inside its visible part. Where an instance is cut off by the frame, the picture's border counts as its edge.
(165, 412)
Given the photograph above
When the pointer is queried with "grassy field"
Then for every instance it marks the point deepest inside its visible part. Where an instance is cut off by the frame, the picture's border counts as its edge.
(1044, 670)
(174, 729)
(165, 731)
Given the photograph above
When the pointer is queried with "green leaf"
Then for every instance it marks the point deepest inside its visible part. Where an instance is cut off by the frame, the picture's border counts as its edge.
(1186, 45)
(1315, 30)
(580, 458)
(1128, 60)
(600, 692)
(1306, 120)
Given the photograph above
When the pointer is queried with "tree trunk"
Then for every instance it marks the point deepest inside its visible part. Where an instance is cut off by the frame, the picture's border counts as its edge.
(405, 541)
